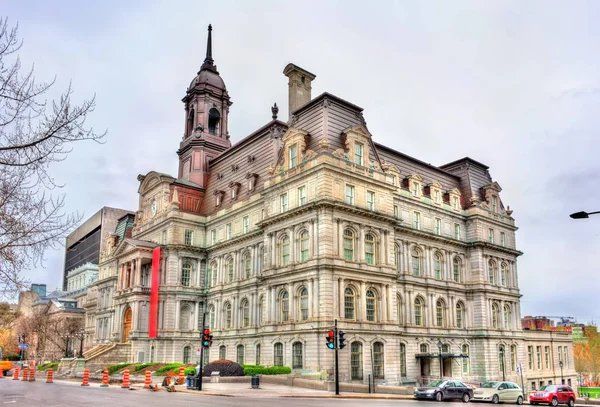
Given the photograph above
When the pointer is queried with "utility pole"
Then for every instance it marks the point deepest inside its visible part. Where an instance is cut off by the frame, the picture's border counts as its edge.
(202, 351)
(337, 370)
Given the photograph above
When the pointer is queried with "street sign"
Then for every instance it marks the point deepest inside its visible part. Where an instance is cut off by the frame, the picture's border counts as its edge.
(198, 350)
(23, 345)
(519, 368)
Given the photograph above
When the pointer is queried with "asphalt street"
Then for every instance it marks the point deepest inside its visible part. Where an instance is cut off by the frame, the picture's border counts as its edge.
(66, 394)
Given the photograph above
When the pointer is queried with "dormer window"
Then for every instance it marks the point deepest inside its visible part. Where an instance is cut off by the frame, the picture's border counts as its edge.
(494, 204)
(214, 118)
(233, 193)
(293, 156)
(415, 189)
(455, 202)
(251, 181)
(219, 198)
(235, 186)
(358, 154)
(436, 196)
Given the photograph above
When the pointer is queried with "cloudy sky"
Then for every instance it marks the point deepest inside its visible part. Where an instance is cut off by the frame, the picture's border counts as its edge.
(514, 85)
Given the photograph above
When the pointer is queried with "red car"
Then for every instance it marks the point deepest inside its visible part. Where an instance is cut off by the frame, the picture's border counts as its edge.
(553, 395)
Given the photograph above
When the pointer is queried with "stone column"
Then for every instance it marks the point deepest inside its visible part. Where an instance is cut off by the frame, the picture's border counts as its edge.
(197, 314)
(341, 296)
(361, 311)
(252, 309)
(136, 315)
(337, 238)
(409, 308)
(311, 297)
(291, 303)
(177, 310)
(383, 252)
(361, 244)
(389, 303)
(267, 310)
(384, 305)
(139, 271)
(218, 314)
(274, 304)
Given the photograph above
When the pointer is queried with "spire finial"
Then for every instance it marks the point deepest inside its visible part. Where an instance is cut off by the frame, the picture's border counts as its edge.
(275, 110)
(208, 61)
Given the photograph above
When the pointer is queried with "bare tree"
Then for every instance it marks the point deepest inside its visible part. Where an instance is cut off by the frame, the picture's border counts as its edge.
(33, 135)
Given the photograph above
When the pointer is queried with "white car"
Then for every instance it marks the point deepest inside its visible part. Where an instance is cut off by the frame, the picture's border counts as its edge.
(499, 392)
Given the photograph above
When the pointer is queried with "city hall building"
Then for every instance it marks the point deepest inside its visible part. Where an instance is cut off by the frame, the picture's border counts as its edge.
(306, 221)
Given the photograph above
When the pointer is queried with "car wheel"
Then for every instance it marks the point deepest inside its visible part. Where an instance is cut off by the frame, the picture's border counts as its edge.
(554, 402)
(571, 403)
(466, 398)
(495, 399)
(533, 403)
(519, 400)
(438, 396)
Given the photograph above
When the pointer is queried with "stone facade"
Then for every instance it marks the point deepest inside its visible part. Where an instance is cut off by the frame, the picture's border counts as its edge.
(306, 222)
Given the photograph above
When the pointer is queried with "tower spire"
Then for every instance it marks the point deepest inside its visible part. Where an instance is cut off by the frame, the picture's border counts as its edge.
(208, 61)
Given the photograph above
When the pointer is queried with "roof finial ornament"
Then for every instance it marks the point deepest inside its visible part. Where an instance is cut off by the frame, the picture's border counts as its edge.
(275, 110)
(209, 61)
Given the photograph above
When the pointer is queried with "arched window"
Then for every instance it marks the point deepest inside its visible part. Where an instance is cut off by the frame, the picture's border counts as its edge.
(402, 360)
(285, 251)
(513, 358)
(185, 315)
(437, 266)
(460, 315)
(349, 304)
(222, 352)
(284, 306)
(304, 246)
(424, 348)
(261, 256)
(371, 306)
(191, 123)
(495, 315)
(466, 366)
(419, 308)
(416, 261)
(370, 249)
(297, 358)
(348, 245)
(212, 280)
(397, 257)
(356, 371)
(399, 309)
(227, 310)
(247, 265)
(456, 269)
(440, 313)
(245, 313)
(378, 372)
(259, 311)
(501, 358)
(240, 354)
(257, 355)
(214, 117)
(278, 354)
(491, 271)
(303, 304)
(187, 352)
(507, 316)
(211, 318)
(186, 274)
(229, 269)
(503, 276)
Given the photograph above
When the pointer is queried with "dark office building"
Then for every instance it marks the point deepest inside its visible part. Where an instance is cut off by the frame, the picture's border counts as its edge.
(86, 242)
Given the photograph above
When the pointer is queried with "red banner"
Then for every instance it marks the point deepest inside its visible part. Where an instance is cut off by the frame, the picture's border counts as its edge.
(154, 281)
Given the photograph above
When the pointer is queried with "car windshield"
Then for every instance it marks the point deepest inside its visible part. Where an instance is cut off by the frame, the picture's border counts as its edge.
(490, 385)
(435, 383)
(548, 388)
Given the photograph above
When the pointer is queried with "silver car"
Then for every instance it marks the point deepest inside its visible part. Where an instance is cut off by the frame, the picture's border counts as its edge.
(499, 392)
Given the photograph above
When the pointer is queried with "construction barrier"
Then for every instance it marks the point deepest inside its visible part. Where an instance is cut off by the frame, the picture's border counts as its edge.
(104, 379)
(50, 376)
(181, 378)
(86, 377)
(25, 374)
(125, 384)
(16, 373)
(31, 372)
(148, 380)
(1, 373)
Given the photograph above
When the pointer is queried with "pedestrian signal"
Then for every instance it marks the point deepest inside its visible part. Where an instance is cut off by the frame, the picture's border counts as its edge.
(330, 338)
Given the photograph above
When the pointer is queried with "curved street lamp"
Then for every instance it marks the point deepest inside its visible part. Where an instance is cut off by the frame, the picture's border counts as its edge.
(440, 344)
(562, 378)
(582, 214)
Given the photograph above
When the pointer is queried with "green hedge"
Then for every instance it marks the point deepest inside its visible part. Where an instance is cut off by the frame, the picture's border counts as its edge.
(252, 370)
(46, 366)
(141, 366)
(115, 368)
(169, 367)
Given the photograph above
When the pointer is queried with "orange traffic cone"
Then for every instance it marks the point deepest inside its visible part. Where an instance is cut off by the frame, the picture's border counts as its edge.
(1, 373)
(148, 380)
(50, 376)
(25, 374)
(86, 377)
(16, 373)
(125, 384)
(31, 372)
(181, 378)
(104, 379)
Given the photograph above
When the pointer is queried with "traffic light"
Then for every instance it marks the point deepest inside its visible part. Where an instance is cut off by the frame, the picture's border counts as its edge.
(341, 339)
(330, 338)
(206, 338)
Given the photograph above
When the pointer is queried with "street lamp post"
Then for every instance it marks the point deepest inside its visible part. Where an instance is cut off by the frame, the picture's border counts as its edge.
(502, 363)
(582, 214)
(562, 378)
(440, 344)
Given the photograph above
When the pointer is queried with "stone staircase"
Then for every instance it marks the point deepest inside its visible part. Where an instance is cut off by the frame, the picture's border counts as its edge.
(98, 350)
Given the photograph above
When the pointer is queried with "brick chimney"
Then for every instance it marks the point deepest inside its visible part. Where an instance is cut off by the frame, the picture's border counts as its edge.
(299, 87)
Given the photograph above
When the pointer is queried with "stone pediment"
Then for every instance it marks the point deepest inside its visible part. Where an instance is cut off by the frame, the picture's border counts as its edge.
(151, 180)
(129, 244)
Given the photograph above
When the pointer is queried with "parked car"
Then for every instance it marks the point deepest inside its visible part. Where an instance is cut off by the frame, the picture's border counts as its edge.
(445, 389)
(553, 395)
(495, 392)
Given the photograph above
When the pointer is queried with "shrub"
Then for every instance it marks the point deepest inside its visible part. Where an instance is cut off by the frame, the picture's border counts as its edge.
(141, 366)
(171, 366)
(115, 368)
(46, 366)
(13, 358)
(252, 370)
(224, 367)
